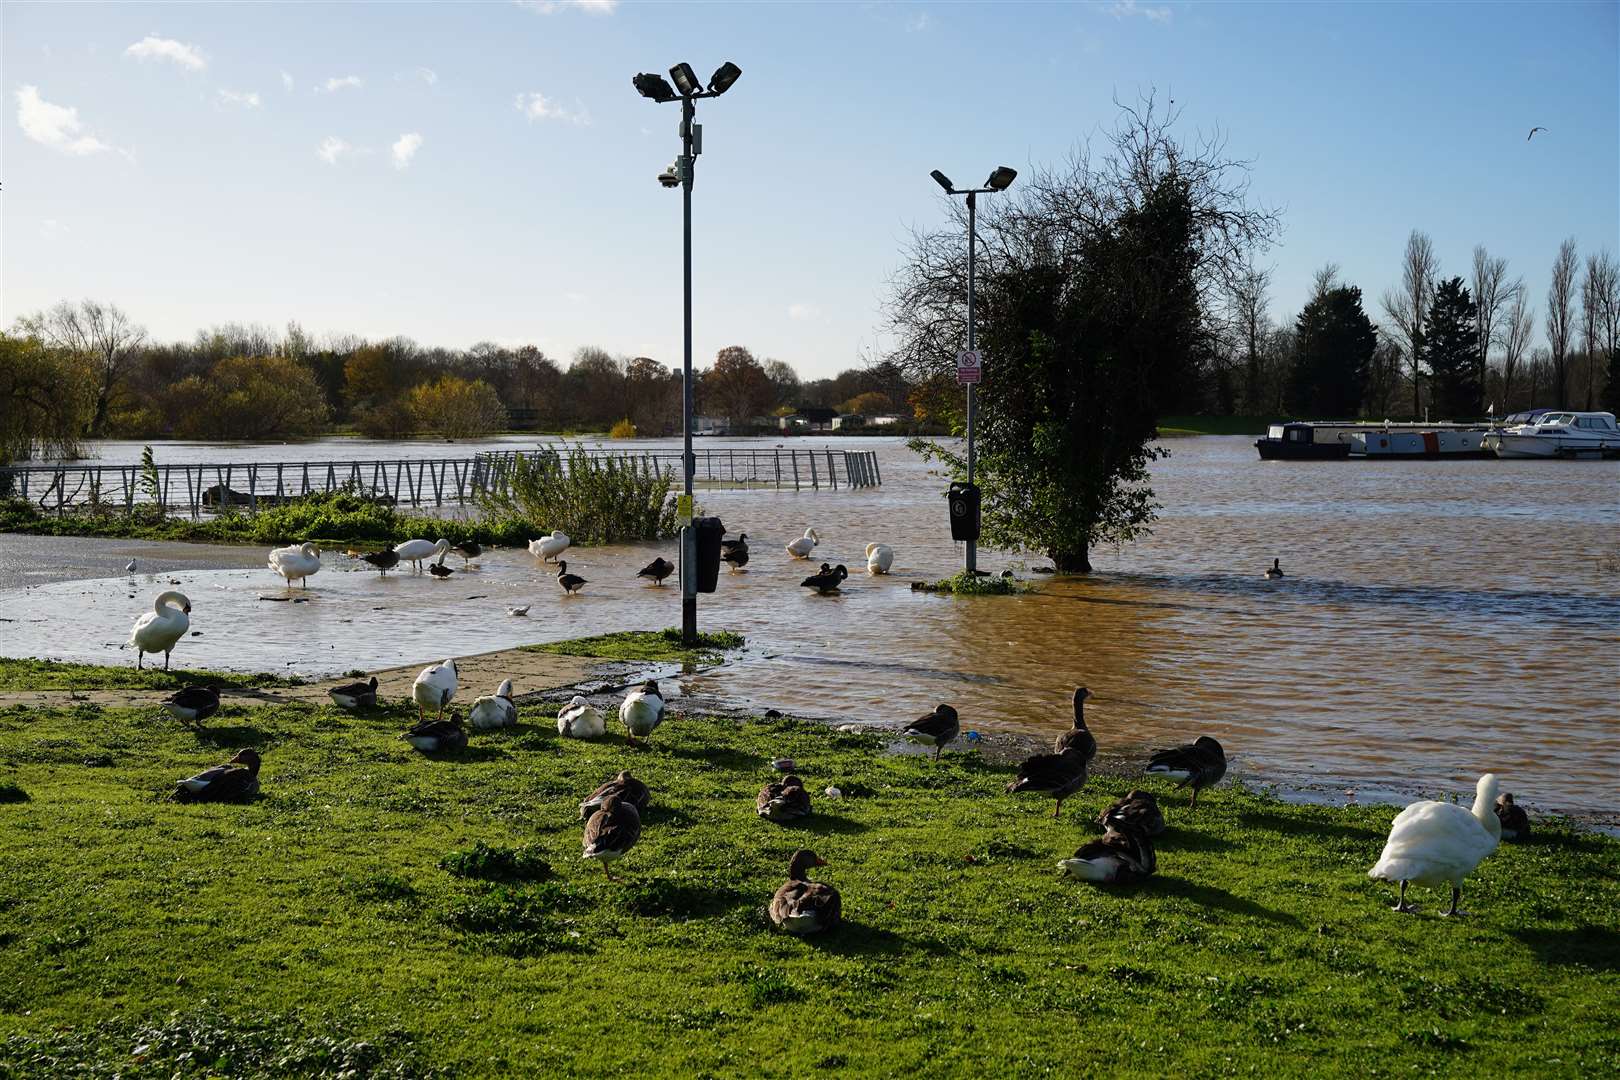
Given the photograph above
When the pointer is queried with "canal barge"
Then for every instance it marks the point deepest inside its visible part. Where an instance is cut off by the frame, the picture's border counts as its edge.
(1316, 440)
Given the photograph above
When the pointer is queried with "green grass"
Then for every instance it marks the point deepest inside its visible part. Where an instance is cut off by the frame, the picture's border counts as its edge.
(966, 584)
(657, 646)
(1173, 426)
(397, 914)
(55, 675)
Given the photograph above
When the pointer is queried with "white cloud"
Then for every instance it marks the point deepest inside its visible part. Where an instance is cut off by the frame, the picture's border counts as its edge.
(551, 7)
(333, 149)
(248, 99)
(919, 23)
(335, 83)
(539, 107)
(427, 75)
(51, 229)
(286, 80)
(57, 126)
(1124, 9)
(405, 148)
(152, 47)
(802, 312)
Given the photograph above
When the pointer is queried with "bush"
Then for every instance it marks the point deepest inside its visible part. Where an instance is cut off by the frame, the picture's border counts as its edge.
(389, 420)
(457, 408)
(594, 500)
(624, 429)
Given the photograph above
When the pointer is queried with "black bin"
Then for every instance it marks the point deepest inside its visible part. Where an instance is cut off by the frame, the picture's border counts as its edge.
(707, 532)
(964, 500)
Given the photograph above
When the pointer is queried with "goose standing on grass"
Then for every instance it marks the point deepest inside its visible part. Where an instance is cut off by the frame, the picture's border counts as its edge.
(879, 557)
(642, 710)
(1511, 816)
(623, 785)
(414, 551)
(384, 560)
(1137, 810)
(1276, 570)
(297, 562)
(802, 906)
(826, 583)
(579, 719)
(570, 583)
(193, 704)
(1057, 775)
(1079, 736)
(494, 712)
(549, 547)
(659, 569)
(804, 545)
(468, 550)
(437, 736)
(610, 832)
(1439, 843)
(159, 629)
(355, 695)
(1123, 856)
(783, 800)
(434, 688)
(1200, 763)
(938, 729)
(238, 778)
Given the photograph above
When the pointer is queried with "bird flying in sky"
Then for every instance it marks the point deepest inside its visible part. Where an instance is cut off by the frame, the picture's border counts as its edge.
(1532, 134)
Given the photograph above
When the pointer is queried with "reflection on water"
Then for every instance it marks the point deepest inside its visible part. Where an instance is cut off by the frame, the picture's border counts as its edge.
(1438, 618)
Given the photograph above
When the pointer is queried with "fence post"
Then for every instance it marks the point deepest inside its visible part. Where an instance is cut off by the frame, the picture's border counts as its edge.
(832, 471)
(815, 482)
(877, 470)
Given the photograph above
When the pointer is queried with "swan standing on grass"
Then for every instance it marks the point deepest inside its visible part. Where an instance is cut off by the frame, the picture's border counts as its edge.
(296, 562)
(494, 712)
(804, 545)
(1436, 843)
(549, 547)
(159, 629)
(879, 557)
(434, 688)
(579, 719)
(414, 551)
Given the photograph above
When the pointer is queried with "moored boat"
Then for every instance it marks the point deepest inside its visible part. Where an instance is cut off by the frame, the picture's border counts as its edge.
(1557, 434)
(1300, 442)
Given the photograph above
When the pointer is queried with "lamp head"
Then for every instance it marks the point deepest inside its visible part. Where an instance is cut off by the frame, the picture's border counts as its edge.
(943, 181)
(726, 74)
(671, 177)
(1001, 179)
(685, 79)
(653, 86)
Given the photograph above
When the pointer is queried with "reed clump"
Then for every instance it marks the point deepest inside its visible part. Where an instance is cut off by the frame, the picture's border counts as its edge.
(595, 500)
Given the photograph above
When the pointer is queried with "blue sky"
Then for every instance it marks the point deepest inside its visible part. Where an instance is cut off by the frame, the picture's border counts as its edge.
(485, 171)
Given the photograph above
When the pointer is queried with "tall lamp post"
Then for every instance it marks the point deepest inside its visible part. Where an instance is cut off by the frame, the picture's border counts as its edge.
(687, 91)
(999, 180)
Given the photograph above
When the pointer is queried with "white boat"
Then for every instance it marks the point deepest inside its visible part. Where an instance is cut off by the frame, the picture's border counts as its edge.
(1556, 434)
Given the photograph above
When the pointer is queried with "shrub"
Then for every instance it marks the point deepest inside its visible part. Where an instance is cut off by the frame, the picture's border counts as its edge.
(389, 420)
(594, 500)
(497, 863)
(624, 429)
(457, 408)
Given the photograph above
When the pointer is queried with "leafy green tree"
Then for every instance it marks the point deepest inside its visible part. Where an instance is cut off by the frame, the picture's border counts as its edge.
(248, 397)
(47, 398)
(1334, 342)
(457, 408)
(1451, 351)
(737, 386)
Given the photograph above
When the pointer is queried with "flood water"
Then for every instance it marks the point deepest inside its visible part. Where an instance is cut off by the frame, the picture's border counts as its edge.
(1439, 618)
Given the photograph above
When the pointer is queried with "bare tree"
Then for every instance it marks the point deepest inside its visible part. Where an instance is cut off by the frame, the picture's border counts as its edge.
(1325, 280)
(1248, 304)
(1561, 319)
(1408, 306)
(1493, 292)
(1521, 323)
(99, 331)
(1539, 366)
(1609, 300)
(1596, 288)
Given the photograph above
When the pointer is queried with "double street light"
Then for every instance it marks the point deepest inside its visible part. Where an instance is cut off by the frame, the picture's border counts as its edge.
(999, 180)
(687, 91)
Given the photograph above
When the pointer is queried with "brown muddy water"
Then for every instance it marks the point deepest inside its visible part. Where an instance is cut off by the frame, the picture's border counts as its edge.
(1438, 619)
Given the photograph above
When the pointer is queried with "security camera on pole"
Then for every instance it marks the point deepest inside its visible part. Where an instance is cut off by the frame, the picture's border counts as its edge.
(964, 498)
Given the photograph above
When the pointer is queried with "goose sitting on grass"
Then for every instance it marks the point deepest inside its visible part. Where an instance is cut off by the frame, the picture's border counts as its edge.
(437, 736)
(434, 688)
(1511, 816)
(1122, 857)
(296, 563)
(355, 695)
(879, 557)
(161, 628)
(802, 906)
(579, 719)
(623, 785)
(1057, 775)
(659, 569)
(783, 800)
(1200, 763)
(192, 705)
(1440, 843)
(494, 712)
(1137, 810)
(238, 778)
(1079, 736)
(804, 545)
(414, 551)
(938, 729)
(611, 832)
(642, 710)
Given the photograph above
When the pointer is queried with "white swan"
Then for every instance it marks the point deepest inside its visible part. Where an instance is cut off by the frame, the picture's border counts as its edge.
(417, 550)
(295, 562)
(494, 712)
(434, 688)
(579, 719)
(642, 709)
(804, 545)
(159, 629)
(879, 557)
(1435, 843)
(549, 547)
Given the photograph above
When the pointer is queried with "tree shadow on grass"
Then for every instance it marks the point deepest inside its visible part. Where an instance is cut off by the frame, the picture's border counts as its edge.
(1174, 839)
(662, 814)
(1584, 946)
(1211, 896)
(468, 755)
(855, 938)
(721, 756)
(234, 737)
(825, 825)
(1296, 826)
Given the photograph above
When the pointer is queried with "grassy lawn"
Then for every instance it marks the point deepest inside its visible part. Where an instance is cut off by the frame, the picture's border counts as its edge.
(657, 646)
(1176, 426)
(350, 919)
(56, 675)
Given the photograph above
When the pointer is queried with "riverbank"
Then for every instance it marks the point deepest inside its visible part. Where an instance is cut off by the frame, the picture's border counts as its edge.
(302, 933)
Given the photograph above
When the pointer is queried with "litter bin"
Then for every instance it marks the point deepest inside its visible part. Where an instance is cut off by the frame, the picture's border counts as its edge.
(707, 532)
(964, 500)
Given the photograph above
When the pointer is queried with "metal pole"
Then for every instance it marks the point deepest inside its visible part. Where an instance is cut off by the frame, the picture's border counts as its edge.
(688, 545)
(971, 560)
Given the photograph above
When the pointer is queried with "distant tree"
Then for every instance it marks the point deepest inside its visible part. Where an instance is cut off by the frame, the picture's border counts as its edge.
(652, 396)
(1596, 285)
(1408, 306)
(1334, 342)
(47, 398)
(1609, 299)
(1248, 301)
(1450, 349)
(872, 401)
(1494, 295)
(1516, 333)
(101, 332)
(457, 408)
(370, 377)
(593, 389)
(785, 382)
(737, 386)
(248, 397)
(1561, 319)
(386, 420)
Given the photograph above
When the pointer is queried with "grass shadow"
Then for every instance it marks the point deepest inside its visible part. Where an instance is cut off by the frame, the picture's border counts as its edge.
(468, 755)
(856, 938)
(661, 814)
(1174, 839)
(1288, 826)
(235, 737)
(1595, 947)
(724, 757)
(826, 825)
(1212, 896)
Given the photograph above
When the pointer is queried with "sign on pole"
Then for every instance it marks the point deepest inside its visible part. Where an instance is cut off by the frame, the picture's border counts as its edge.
(969, 366)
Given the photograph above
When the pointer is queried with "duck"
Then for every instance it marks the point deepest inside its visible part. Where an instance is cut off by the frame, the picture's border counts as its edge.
(297, 562)
(494, 712)
(579, 719)
(879, 557)
(571, 583)
(659, 569)
(1057, 775)
(1511, 816)
(1276, 570)
(804, 545)
(1123, 856)
(437, 736)
(414, 551)
(733, 545)
(468, 550)
(355, 695)
(826, 583)
(802, 906)
(1200, 763)
(161, 628)
(1138, 810)
(1078, 736)
(611, 832)
(783, 800)
(434, 687)
(939, 728)
(623, 785)
(238, 778)
(642, 710)
(549, 547)
(439, 570)
(193, 704)
(1437, 843)
(735, 557)
(518, 612)
(384, 560)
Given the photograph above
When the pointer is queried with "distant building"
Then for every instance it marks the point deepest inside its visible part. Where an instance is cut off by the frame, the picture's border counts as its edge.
(710, 425)
(809, 420)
